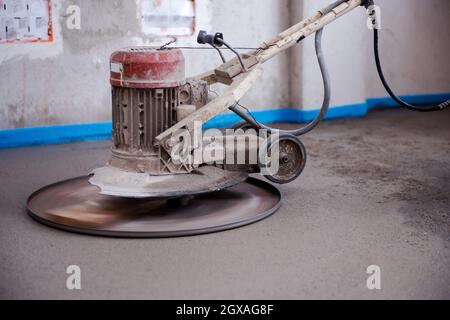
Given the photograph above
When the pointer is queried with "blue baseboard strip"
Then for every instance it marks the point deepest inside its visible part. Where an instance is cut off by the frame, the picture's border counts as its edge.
(337, 112)
(58, 134)
(54, 134)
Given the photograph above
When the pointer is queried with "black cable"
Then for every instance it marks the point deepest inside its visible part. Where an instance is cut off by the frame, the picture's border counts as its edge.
(210, 48)
(430, 108)
(249, 118)
(219, 52)
(241, 111)
(221, 41)
(248, 111)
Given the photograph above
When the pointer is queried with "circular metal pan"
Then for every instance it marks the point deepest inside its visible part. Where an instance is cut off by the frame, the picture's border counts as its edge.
(76, 205)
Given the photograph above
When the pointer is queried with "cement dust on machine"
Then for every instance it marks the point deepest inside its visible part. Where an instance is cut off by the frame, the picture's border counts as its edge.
(153, 185)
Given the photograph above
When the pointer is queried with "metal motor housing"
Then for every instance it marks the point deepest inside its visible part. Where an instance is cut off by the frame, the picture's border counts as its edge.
(148, 85)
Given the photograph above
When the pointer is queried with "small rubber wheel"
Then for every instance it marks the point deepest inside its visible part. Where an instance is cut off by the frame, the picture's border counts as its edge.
(290, 153)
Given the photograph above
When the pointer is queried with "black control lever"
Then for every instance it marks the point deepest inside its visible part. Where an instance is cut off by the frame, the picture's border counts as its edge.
(216, 41)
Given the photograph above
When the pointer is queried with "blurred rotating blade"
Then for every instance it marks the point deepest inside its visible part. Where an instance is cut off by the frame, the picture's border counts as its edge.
(76, 205)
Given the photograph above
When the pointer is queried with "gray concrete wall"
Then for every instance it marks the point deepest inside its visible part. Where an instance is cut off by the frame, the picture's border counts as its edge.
(67, 81)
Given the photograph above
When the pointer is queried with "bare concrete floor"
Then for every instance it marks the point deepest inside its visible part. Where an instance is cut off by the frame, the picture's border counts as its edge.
(375, 191)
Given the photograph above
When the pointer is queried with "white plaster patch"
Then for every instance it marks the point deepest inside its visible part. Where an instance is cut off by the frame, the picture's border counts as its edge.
(202, 22)
(25, 21)
(168, 17)
(37, 50)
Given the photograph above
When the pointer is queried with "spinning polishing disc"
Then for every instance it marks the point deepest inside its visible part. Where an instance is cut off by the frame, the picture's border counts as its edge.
(78, 206)
(115, 182)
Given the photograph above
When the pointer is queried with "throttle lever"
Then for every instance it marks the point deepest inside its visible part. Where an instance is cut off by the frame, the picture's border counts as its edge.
(214, 40)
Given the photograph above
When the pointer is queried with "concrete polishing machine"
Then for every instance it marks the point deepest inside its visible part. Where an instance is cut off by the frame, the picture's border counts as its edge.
(166, 176)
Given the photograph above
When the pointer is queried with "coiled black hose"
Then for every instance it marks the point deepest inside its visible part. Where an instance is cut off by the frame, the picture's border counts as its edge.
(429, 108)
(242, 112)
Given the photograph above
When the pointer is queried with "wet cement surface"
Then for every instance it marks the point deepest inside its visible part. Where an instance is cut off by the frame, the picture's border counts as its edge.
(375, 191)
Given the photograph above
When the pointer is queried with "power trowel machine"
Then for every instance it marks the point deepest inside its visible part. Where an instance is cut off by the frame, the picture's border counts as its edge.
(166, 176)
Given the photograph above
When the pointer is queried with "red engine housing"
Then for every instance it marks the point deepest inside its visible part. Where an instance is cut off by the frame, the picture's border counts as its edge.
(147, 68)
